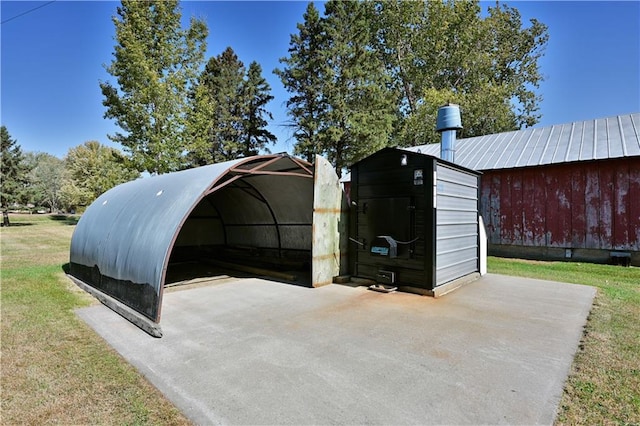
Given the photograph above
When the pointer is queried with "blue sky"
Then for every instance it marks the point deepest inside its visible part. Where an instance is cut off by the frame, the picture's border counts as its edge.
(53, 57)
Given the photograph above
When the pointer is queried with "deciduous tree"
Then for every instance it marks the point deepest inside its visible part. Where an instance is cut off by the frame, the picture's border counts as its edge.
(45, 180)
(155, 64)
(93, 168)
(446, 51)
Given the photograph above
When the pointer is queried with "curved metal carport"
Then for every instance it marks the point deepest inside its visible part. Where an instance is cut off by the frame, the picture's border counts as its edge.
(273, 209)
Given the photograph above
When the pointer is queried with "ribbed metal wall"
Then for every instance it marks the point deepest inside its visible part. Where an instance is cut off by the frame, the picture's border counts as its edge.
(456, 202)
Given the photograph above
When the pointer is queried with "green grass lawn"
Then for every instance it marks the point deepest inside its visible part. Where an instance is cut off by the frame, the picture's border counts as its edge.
(55, 369)
(604, 385)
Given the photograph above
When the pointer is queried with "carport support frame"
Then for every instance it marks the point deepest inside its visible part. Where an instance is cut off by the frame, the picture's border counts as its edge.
(239, 173)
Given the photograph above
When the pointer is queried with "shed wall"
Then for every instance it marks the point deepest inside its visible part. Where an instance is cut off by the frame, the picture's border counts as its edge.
(456, 223)
(588, 207)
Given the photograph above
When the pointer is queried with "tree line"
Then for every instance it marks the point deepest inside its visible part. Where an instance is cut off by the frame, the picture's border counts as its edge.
(176, 111)
(37, 180)
(362, 75)
(370, 74)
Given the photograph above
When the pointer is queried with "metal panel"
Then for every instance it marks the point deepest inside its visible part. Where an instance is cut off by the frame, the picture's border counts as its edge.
(612, 137)
(456, 223)
(428, 207)
(330, 223)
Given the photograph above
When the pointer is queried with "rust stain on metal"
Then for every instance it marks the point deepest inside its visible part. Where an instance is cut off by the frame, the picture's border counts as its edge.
(326, 210)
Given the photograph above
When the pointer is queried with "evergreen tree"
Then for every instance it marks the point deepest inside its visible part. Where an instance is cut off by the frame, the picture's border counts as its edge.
(229, 110)
(340, 105)
(360, 116)
(155, 64)
(13, 170)
(256, 94)
(303, 76)
(224, 77)
(219, 96)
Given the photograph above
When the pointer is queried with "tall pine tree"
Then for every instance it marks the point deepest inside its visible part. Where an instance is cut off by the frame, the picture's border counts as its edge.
(256, 93)
(340, 106)
(229, 111)
(13, 170)
(223, 76)
(361, 112)
(303, 76)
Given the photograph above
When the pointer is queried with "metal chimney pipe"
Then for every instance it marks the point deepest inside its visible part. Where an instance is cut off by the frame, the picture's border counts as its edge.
(448, 121)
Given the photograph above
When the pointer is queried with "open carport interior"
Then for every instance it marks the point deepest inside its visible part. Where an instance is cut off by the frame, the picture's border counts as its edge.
(260, 216)
(256, 219)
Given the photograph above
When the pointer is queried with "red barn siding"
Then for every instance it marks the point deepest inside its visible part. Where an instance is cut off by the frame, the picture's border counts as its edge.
(607, 206)
(633, 214)
(578, 219)
(494, 202)
(506, 218)
(622, 204)
(592, 212)
(517, 213)
(591, 205)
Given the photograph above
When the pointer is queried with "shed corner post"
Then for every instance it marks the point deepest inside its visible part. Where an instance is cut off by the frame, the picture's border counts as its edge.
(329, 225)
(431, 212)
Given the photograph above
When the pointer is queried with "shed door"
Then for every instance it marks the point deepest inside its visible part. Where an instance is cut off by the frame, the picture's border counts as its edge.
(388, 216)
(330, 225)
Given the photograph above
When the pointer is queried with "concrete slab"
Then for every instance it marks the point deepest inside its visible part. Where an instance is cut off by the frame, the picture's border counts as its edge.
(252, 351)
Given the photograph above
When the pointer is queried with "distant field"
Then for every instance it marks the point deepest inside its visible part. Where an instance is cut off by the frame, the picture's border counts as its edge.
(604, 386)
(55, 369)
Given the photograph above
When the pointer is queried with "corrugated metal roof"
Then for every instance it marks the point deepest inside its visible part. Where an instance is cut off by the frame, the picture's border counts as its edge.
(603, 138)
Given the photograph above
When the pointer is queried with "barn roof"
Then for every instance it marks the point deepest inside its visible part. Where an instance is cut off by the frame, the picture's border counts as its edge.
(603, 138)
